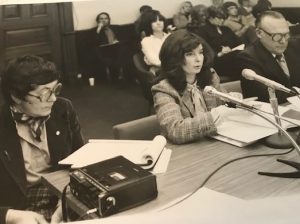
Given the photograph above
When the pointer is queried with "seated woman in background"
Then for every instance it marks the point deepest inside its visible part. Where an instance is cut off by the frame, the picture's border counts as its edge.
(111, 51)
(184, 112)
(222, 40)
(37, 129)
(183, 17)
(244, 30)
(154, 26)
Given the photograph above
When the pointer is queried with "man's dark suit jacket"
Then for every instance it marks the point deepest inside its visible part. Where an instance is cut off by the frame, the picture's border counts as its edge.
(257, 58)
(63, 135)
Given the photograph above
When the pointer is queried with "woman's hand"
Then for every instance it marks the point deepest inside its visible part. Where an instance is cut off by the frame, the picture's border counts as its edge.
(24, 217)
(220, 113)
(99, 27)
(57, 215)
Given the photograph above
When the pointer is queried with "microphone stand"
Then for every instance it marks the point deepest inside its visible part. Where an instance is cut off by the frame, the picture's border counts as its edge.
(295, 174)
(277, 140)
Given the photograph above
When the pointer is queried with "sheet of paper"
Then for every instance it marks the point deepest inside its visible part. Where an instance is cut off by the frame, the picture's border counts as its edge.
(239, 48)
(295, 101)
(243, 127)
(211, 207)
(134, 150)
(162, 164)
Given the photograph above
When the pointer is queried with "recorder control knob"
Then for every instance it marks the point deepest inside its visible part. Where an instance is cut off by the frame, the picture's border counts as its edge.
(110, 202)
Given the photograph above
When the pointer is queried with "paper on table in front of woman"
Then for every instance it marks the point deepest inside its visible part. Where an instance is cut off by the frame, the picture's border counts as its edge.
(243, 127)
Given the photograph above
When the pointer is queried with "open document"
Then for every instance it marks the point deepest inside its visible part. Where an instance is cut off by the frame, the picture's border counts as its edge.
(243, 127)
(144, 153)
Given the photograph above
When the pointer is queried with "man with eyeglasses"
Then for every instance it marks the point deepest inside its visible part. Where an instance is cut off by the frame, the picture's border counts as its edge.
(37, 129)
(274, 55)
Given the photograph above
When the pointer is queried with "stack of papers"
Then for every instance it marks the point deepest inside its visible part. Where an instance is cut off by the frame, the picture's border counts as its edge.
(242, 127)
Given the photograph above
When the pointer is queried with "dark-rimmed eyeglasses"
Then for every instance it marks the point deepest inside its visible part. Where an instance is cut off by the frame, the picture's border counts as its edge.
(44, 97)
(277, 37)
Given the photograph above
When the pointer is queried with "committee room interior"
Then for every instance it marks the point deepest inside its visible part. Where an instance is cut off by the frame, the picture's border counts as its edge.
(61, 32)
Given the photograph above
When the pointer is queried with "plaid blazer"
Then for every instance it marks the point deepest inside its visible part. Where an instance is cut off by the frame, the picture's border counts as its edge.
(176, 114)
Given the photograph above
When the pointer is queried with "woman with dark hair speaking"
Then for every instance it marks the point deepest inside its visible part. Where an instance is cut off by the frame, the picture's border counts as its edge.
(184, 112)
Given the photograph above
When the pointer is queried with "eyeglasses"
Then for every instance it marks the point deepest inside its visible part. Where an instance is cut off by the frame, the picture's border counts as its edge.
(277, 37)
(44, 97)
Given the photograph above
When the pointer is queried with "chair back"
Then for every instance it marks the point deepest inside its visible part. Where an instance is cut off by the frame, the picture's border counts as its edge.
(145, 128)
(144, 76)
(233, 86)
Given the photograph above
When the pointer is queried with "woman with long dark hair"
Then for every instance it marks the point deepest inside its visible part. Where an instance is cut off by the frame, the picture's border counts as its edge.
(184, 111)
(154, 26)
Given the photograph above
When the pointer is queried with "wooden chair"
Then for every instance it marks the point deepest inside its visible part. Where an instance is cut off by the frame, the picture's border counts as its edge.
(145, 128)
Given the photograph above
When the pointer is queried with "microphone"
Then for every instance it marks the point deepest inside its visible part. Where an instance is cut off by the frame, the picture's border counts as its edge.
(209, 90)
(251, 75)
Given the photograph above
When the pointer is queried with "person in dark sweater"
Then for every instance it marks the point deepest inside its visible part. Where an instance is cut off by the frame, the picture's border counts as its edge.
(222, 40)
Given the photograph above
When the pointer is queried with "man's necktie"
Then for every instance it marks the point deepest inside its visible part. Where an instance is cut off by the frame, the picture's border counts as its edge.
(281, 61)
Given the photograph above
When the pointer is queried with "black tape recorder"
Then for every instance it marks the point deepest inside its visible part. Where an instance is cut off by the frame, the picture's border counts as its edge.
(113, 185)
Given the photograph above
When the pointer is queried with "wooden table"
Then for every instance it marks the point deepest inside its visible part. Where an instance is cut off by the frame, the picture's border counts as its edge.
(191, 163)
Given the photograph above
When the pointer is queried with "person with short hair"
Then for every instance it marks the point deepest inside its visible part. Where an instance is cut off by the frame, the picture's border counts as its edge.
(261, 6)
(183, 17)
(112, 52)
(245, 31)
(185, 113)
(222, 40)
(137, 23)
(245, 10)
(274, 55)
(37, 129)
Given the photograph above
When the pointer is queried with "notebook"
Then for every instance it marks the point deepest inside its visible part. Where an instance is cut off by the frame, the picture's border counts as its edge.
(143, 153)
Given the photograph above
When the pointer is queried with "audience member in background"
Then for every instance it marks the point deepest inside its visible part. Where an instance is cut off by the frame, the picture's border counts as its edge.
(183, 17)
(217, 3)
(246, 31)
(245, 10)
(274, 56)
(261, 6)
(111, 51)
(137, 23)
(184, 112)
(198, 15)
(37, 129)
(222, 40)
(154, 25)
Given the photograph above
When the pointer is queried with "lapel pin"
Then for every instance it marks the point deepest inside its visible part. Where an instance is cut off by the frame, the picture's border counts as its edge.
(57, 132)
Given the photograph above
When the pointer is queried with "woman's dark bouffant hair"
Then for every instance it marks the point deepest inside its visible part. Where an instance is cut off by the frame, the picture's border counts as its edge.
(172, 58)
(23, 74)
(148, 18)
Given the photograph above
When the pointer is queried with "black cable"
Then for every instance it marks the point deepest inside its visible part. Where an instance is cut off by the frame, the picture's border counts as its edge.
(219, 168)
(64, 207)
